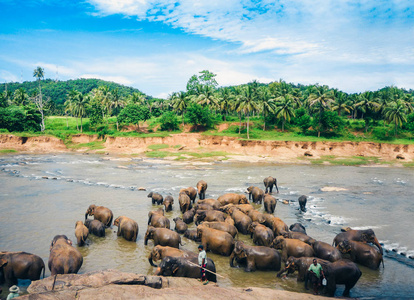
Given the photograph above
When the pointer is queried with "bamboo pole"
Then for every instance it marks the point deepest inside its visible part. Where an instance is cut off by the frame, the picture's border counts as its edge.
(191, 263)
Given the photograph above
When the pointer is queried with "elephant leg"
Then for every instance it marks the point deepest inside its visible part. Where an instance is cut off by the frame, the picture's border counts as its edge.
(306, 280)
(250, 267)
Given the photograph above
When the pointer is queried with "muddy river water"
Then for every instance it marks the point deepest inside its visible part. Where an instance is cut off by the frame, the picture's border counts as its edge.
(35, 209)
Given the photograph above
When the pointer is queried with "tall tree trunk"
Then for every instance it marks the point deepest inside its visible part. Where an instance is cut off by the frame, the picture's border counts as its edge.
(240, 123)
(248, 119)
(81, 125)
(77, 124)
(283, 125)
(67, 122)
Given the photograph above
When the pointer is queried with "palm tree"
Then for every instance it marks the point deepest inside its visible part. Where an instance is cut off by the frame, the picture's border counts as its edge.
(71, 99)
(396, 112)
(206, 97)
(80, 105)
(340, 102)
(320, 100)
(266, 103)
(366, 103)
(246, 104)
(180, 102)
(116, 103)
(285, 109)
(105, 95)
(225, 99)
(39, 73)
(20, 96)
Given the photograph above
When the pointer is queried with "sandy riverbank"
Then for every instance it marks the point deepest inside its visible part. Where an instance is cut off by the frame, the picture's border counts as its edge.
(242, 150)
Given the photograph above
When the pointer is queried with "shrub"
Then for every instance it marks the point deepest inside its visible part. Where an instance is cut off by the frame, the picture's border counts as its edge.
(383, 133)
(169, 121)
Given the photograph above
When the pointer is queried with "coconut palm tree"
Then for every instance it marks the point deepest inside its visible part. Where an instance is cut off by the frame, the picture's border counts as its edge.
(206, 97)
(20, 96)
(266, 103)
(71, 99)
(225, 100)
(116, 102)
(396, 112)
(80, 104)
(285, 109)
(320, 100)
(180, 102)
(246, 103)
(366, 103)
(340, 102)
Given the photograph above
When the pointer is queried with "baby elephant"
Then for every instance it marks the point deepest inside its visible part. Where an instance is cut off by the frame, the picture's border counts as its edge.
(127, 228)
(180, 226)
(95, 227)
(81, 233)
(156, 198)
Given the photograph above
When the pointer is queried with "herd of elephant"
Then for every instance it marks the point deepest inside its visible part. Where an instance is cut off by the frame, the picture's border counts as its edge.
(218, 224)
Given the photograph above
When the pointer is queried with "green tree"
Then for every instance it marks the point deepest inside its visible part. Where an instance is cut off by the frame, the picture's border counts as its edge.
(199, 116)
(366, 104)
(246, 103)
(340, 102)
(225, 99)
(319, 101)
(95, 114)
(266, 103)
(180, 102)
(331, 123)
(169, 121)
(285, 109)
(396, 112)
(20, 96)
(116, 103)
(133, 114)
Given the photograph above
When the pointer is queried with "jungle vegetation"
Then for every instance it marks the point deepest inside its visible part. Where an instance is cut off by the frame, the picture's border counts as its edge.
(278, 110)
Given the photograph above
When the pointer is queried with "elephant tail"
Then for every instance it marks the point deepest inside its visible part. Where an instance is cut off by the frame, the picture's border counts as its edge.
(44, 269)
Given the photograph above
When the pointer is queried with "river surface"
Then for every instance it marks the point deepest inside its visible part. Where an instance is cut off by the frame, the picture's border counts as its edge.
(35, 209)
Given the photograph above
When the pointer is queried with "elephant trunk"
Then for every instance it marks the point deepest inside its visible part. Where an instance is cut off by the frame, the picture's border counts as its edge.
(276, 187)
(281, 272)
(151, 262)
(86, 215)
(376, 243)
(146, 240)
(232, 256)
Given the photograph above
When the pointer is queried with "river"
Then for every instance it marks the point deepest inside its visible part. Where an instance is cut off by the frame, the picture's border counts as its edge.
(35, 209)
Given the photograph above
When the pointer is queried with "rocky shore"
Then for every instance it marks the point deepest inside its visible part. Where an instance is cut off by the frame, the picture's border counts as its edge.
(113, 284)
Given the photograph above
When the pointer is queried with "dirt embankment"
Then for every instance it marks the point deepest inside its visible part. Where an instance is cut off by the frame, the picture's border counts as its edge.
(274, 150)
(113, 284)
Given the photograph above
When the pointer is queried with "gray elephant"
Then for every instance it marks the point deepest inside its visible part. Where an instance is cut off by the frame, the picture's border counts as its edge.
(163, 237)
(255, 257)
(95, 227)
(365, 236)
(191, 192)
(156, 218)
(156, 198)
(188, 216)
(256, 194)
(168, 203)
(100, 213)
(201, 189)
(292, 247)
(262, 235)
(20, 265)
(302, 202)
(216, 241)
(326, 251)
(184, 201)
(180, 225)
(81, 233)
(269, 203)
(127, 228)
(64, 258)
(362, 253)
(268, 183)
(297, 227)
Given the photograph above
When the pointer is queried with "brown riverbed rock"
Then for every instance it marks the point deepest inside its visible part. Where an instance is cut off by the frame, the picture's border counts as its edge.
(113, 284)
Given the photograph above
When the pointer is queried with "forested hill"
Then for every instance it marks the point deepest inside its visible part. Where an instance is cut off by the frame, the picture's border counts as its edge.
(58, 90)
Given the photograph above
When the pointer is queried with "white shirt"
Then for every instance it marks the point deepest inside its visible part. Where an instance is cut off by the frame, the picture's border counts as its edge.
(202, 255)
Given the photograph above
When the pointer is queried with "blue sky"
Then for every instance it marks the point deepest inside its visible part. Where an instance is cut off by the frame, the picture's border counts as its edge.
(156, 46)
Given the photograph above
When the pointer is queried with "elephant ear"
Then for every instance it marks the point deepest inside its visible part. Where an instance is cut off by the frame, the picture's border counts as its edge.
(3, 262)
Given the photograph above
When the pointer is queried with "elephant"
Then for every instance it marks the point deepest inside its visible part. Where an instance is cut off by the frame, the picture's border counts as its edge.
(203, 206)
(95, 227)
(20, 265)
(229, 220)
(232, 198)
(256, 216)
(185, 267)
(256, 194)
(191, 192)
(325, 251)
(366, 236)
(157, 219)
(100, 213)
(361, 253)
(255, 257)
(301, 264)
(185, 202)
(299, 236)
(159, 252)
(268, 183)
(163, 237)
(81, 233)
(297, 227)
(344, 272)
(262, 235)
(180, 226)
(201, 189)
(212, 202)
(209, 216)
(192, 235)
(188, 216)
(241, 221)
(156, 198)
(63, 258)
(127, 228)
(302, 202)
(245, 208)
(278, 226)
(168, 203)
(223, 226)
(292, 247)
(269, 203)
(216, 241)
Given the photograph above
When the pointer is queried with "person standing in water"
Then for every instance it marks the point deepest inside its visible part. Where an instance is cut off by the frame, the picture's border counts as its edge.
(316, 271)
(202, 262)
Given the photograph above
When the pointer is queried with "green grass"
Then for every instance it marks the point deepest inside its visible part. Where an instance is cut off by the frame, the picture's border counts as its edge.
(158, 146)
(346, 161)
(91, 146)
(8, 151)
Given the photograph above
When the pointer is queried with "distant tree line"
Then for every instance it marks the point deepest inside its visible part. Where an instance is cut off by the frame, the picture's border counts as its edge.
(307, 109)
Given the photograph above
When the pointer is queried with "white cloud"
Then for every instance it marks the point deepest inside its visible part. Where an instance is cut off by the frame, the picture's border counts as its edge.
(7, 76)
